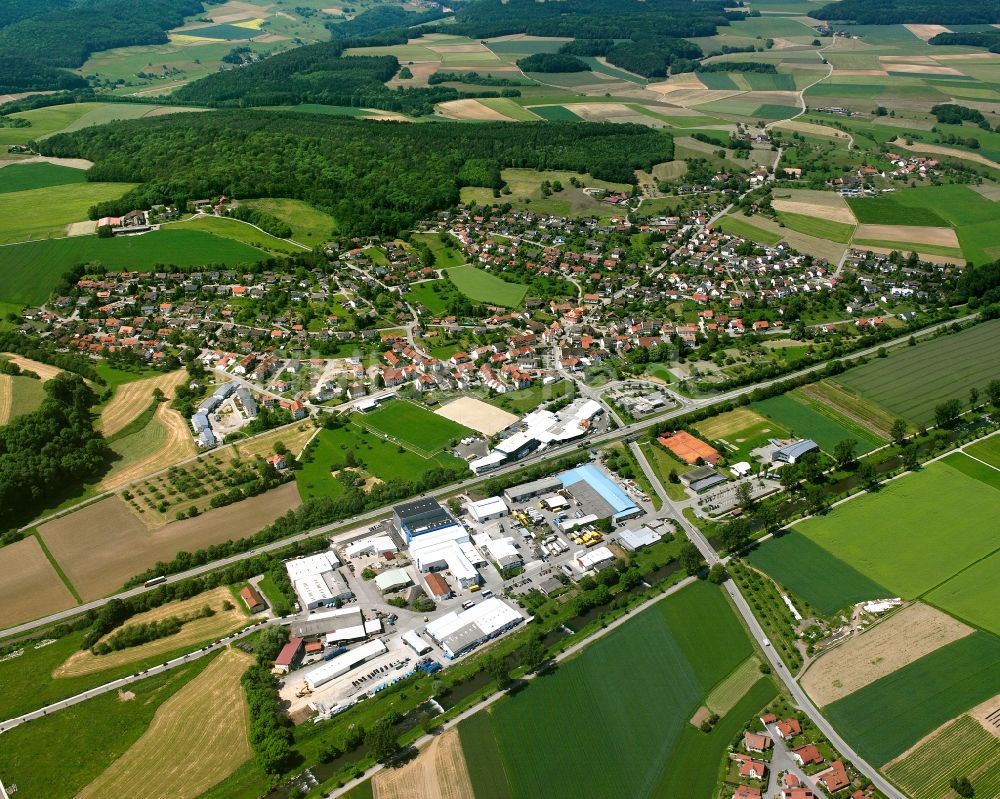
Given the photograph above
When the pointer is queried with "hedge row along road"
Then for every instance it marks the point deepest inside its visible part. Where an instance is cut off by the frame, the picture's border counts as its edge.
(347, 530)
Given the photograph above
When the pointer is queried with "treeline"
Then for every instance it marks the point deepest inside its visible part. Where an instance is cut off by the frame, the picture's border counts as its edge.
(379, 20)
(47, 37)
(476, 79)
(44, 452)
(270, 731)
(952, 114)
(552, 62)
(649, 55)
(43, 351)
(978, 285)
(988, 39)
(738, 66)
(12, 11)
(896, 12)
(144, 632)
(269, 223)
(373, 180)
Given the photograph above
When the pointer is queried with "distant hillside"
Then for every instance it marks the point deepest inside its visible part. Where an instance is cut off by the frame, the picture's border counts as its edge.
(895, 12)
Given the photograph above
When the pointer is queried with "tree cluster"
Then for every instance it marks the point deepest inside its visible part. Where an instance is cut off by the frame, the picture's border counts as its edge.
(552, 62)
(953, 114)
(988, 39)
(898, 12)
(269, 223)
(739, 66)
(372, 181)
(270, 734)
(647, 54)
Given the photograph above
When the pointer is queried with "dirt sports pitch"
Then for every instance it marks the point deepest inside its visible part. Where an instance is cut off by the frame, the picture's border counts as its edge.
(196, 739)
(906, 636)
(103, 545)
(439, 772)
(29, 586)
(477, 415)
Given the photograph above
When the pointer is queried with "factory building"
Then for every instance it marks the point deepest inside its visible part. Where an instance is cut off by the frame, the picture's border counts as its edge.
(340, 665)
(459, 632)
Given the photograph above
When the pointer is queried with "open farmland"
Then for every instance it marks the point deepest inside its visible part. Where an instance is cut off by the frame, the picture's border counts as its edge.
(974, 468)
(885, 718)
(806, 418)
(162, 442)
(25, 177)
(906, 636)
(414, 426)
(912, 381)
(578, 733)
(29, 271)
(438, 772)
(934, 522)
(481, 286)
(794, 561)
(29, 585)
(103, 545)
(45, 213)
(987, 450)
(131, 399)
(19, 395)
(960, 747)
(869, 416)
(79, 742)
(236, 230)
(973, 594)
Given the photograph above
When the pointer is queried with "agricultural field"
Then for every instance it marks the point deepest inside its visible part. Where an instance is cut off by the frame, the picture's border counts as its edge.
(867, 415)
(974, 468)
(820, 228)
(27, 177)
(44, 213)
(891, 643)
(912, 381)
(807, 418)
(887, 717)
(739, 226)
(197, 738)
(795, 560)
(78, 743)
(987, 450)
(481, 286)
(134, 397)
(963, 747)
(30, 586)
(973, 594)
(29, 271)
(548, 738)
(18, 396)
(414, 426)
(377, 461)
(438, 771)
(156, 439)
(236, 230)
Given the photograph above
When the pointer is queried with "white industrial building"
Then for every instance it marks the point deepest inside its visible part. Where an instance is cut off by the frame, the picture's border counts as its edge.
(356, 633)
(503, 552)
(340, 665)
(486, 510)
(392, 580)
(637, 539)
(446, 548)
(317, 582)
(597, 559)
(373, 545)
(416, 642)
(457, 633)
(311, 565)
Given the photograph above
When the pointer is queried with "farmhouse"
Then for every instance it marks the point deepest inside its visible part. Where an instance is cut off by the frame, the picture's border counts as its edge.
(252, 599)
(746, 792)
(457, 633)
(788, 728)
(834, 778)
(749, 768)
(792, 452)
(806, 755)
(689, 449)
(756, 742)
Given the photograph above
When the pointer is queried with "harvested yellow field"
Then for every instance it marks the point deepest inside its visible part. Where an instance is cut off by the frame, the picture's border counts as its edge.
(470, 110)
(877, 72)
(177, 446)
(293, 437)
(904, 637)
(197, 738)
(131, 399)
(842, 214)
(919, 69)
(6, 397)
(193, 633)
(438, 772)
(937, 236)
(29, 586)
(250, 24)
(931, 258)
(726, 424)
(812, 129)
(926, 32)
(43, 370)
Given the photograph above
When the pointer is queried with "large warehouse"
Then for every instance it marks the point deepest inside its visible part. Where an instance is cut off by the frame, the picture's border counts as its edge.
(598, 494)
(420, 517)
(457, 633)
(317, 581)
(340, 665)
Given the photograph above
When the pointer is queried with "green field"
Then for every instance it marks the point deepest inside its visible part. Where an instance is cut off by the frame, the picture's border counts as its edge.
(374, 455)
(27, 395)
(446, 253)
(580, 732)
(885, 718)
(29, 271)
(973, 468)
(962, 748)
(915, 533)
(46, 121)
(737, 226)
(25, 177)
(415, 426)
(555, 113)
(912, 381)
(807, 419)
(310, 226)
(523, 400)
(44, 213)
(483, 287)
(808, 571)
(973, 595)
(80, 742)
(434, 295)
(888, 210)
(237, 231)
(813, 226)
(986, 450)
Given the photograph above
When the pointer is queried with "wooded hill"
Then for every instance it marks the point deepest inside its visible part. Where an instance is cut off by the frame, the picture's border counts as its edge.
(373, 177)
(895, 12)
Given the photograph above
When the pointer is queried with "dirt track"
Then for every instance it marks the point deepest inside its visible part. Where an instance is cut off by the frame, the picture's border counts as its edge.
(906, 636)
(438, 772)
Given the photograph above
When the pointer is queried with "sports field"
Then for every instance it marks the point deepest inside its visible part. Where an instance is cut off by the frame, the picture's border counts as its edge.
(885, 718)
(579, 733)
(25, 177)
(415, 426)
(811, 572)
(808, 418)
(913, 380)
(29, 271)
(483, 287)
(961, 747)
(45, 212)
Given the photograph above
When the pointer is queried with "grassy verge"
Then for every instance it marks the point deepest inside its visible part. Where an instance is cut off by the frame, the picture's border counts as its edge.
(771, 612)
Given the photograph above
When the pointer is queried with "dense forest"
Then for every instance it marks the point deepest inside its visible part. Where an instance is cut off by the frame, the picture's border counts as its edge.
(648, 55)
(373, 177)
(44, 452)
(379, 19)
(52, 35)
(988, 39)
(317, 73)
(552, 62)
(12, 11)
(895, 12)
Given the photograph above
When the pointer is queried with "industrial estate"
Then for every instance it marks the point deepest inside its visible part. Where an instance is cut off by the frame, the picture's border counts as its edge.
(499, 400)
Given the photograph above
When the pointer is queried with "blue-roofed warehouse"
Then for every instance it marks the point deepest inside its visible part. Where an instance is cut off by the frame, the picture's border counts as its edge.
(598, 493)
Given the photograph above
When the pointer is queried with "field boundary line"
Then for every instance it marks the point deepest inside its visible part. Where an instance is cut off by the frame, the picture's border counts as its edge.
(58, 569)
(967, 455)
(964, 569)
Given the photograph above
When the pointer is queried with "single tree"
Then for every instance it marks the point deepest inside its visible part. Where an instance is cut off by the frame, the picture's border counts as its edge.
(381, 740)
(496, 667)
(947, 412)
(744, 495)
(973, 397)
(717, 574)
(993, 392)
(898, 431)
(843, 452)
(691, 559)
(867, 474)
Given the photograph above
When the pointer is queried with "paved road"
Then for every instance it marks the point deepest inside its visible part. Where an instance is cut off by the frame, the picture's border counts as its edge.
(777, 665)
(346, 529)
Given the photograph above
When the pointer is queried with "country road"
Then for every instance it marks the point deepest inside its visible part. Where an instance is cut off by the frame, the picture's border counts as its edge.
(344, 530)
